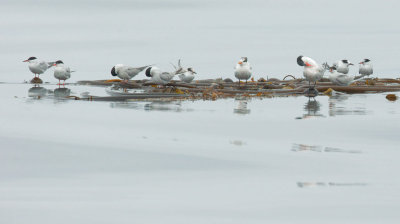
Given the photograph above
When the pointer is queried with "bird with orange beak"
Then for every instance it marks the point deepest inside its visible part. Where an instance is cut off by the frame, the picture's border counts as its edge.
(243, 70)
(366, 68)
(37, 66)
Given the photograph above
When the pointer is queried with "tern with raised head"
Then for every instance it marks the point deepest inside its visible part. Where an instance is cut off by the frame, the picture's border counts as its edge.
(61, 72)
(366, 68)
(342, 66)
(37, 66)
(243, 69)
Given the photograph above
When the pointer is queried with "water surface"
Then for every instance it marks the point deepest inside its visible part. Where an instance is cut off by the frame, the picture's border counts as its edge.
(282, 160)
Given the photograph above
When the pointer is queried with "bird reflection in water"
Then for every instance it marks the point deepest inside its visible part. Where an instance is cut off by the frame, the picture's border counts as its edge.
(330, 184)
(148, 106)
(124, 105)
(317, 148)
(241, 107)
(312, 107)
(163, 106)
(338, 106)
(37, 92)
(62, 92)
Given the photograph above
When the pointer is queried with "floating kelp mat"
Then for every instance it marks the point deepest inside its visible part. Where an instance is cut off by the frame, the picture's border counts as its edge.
(212, 89)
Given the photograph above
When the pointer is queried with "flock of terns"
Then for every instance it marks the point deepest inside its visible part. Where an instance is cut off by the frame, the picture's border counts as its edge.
(338, 72)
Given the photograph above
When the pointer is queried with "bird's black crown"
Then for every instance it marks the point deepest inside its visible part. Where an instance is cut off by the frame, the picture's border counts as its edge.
(148, 70)
(113, 71)
(300, 61)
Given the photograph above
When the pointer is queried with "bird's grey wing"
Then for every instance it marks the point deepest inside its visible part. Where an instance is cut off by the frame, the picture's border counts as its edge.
(43, 65)
(179, 63)
(165, 76)
(140, 68)
(49, 64)
(133, 71)
(343, 79)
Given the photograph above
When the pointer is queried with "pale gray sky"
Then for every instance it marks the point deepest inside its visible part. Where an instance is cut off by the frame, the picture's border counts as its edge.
(92, 36)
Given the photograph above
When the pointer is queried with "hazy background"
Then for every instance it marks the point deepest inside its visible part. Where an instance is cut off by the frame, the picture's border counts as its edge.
(92, 36)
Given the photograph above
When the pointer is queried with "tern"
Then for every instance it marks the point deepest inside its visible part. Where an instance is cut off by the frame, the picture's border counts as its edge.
(366, 68)
(61, 72)
(338, 78)
(187, 76)
(312, 70)
(159, 77)
(37, 66)
(125, 72)
(243, 69)
(342, 66)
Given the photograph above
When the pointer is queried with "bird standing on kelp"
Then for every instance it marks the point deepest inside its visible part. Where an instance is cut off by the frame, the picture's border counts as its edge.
(125, 72)
(366, 68)
(37, 66)
(312, 71)
(243, 70)
(61, 72)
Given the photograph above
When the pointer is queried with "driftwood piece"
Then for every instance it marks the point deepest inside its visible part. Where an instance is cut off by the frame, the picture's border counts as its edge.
(360, 89)
(133, 96)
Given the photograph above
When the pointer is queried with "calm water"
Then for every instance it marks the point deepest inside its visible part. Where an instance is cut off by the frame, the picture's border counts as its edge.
(282, 160)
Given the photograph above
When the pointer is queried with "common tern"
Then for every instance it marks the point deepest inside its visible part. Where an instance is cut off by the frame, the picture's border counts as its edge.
(339, 78)
(188, 76)
(37, 66)
(342, 66)
(185, 74)
(243, 69)
(125, 72)
(61, 72)
(366, 68)
(159, 77)
(312, 70)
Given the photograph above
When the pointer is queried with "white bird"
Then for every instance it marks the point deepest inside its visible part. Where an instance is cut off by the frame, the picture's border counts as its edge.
(366, 68)
(339, 78)
(243, 69)
(125, 72)
(342, 66)
(159, 77)
(312, 70)
(188, 76)
(185, 74)
(37, 66)
(61, 72)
